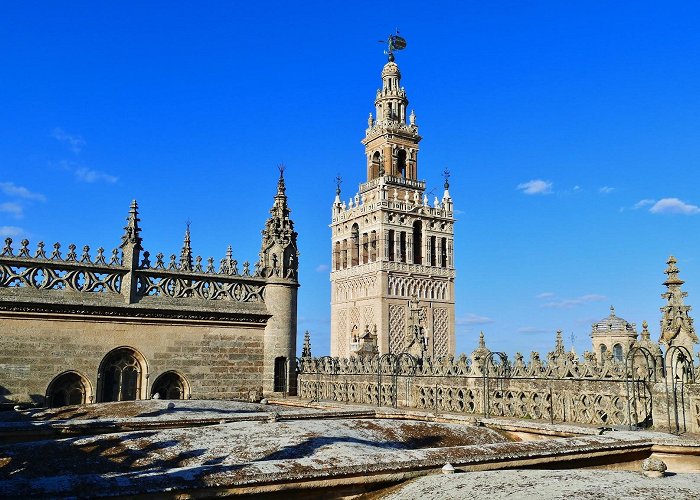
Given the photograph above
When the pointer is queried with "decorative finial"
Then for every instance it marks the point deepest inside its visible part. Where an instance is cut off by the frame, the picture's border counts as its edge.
(559, 347)
(446, 175)
(612, 310)
(281, 189)
(338, 182)
(482, 342)
(394, 42)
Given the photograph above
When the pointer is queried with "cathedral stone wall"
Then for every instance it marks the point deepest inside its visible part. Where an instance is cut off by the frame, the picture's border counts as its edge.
(215, 361)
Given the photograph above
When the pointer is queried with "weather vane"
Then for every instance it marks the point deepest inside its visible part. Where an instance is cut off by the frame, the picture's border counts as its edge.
(394, 42)
(338, 182)
(446, 175)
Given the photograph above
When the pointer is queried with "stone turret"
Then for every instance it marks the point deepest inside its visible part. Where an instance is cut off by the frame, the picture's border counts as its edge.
(278, 254)
(676, 324)
(279, 264)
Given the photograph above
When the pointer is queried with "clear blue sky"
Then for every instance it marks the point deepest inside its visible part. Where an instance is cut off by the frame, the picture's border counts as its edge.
(571, 129)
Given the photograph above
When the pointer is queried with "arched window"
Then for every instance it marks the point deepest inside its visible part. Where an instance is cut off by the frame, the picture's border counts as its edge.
(617, 352)
(355, 245)
(391, 244)
(68, 388)
(433, 250)
(401, 163)
(280, 374)
(171, 385)
(336, 255)
(121, 374)
(402, 246)
(373, 246)
(443, 252)
(365, 248)
(344, 255)
(603, 350)
(417, 242)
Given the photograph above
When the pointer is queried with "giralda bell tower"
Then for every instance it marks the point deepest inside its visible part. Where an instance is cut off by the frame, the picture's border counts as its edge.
(392, 247)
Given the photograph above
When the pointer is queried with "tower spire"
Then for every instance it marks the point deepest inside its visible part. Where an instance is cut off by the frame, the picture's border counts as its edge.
(676, 324)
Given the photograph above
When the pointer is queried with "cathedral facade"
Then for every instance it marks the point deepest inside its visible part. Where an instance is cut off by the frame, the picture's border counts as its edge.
(83, 326)
(392, 276)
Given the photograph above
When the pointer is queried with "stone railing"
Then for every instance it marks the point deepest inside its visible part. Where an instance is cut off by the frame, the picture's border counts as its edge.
(56, 272)
(51, 271)
(563, 388)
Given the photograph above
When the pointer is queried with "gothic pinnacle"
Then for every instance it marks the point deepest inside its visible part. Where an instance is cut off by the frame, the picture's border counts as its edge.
(186, 253)
(132, 229)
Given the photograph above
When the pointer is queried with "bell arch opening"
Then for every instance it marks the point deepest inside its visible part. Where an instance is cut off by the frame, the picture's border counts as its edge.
(374, 165)
(401, 163)
(121, 375)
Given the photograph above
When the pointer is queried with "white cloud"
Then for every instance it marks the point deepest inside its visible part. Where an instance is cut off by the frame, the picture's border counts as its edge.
(536, 186)
(544, 295)
(606, 190)
(12, 208)
(74, 142)
(569, 303)
(643, 203)
(322, 268)
(89, 175)
(474, 319)
(10, 189)
(531, 329)
(577, 188)
(11, 231)
(674, 206)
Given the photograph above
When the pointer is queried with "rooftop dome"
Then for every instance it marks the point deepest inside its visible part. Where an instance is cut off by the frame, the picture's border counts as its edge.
(614, 324)
(391, 69)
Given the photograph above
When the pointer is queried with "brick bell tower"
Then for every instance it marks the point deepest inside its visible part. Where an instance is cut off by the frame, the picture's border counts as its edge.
(392, 277)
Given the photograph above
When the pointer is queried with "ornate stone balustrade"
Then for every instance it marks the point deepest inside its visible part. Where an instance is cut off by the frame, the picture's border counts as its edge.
(194, 285)
(43, 270)
(418, 269)
(563, 388)
(561, 367)
(56, 272)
